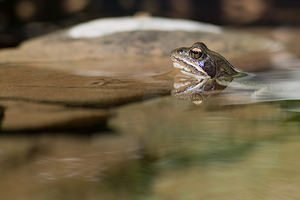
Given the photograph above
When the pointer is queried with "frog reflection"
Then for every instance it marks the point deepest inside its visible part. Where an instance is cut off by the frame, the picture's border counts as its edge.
(202, 72)
(197, 90)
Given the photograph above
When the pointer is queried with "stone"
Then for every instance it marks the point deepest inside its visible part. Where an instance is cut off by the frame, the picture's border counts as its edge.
(22, 116)
(107, 63)
(49, 86)
(112, 43)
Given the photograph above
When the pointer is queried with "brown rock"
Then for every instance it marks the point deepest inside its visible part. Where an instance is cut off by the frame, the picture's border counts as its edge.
(48, 73)
(29, 116)
(127, 49)
(41, 85)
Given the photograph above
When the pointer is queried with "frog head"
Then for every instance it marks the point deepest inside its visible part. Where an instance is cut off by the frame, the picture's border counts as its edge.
(200, 62)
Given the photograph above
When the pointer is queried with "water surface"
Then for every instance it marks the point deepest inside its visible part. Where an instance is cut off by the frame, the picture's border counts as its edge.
(239, 144)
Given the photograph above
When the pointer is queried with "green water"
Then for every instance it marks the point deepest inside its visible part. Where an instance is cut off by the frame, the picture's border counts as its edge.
(164, 149)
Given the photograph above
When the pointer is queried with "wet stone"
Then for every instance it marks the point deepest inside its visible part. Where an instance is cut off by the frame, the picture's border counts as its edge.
(48, 86)
(34, 99)
(21, 116)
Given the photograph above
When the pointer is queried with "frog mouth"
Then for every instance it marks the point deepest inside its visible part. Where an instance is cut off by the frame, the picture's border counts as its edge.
(189, 69)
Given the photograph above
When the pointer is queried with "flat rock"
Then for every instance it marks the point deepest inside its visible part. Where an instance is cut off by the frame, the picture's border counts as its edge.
(48, 86)
(28, 116)
(78, 66)
(34, 99)
(107, 68)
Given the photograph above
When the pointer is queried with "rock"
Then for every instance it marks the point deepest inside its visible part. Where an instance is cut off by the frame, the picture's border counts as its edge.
(1, 114)
(48, 86)
(112, 41)
(28, 116)
(103, 64)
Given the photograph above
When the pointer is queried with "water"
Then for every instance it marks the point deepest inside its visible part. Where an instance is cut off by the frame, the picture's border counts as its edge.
(239, 144)
(165, 148)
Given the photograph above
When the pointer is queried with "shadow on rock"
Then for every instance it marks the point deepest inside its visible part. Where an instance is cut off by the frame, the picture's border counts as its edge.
(1, 115)
(18, 117)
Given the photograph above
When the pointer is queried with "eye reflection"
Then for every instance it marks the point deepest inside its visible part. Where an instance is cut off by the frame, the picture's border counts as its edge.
(197, 98)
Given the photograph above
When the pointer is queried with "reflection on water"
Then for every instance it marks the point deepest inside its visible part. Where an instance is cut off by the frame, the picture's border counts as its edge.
(264, 87)
(197, 90)
(165, 149)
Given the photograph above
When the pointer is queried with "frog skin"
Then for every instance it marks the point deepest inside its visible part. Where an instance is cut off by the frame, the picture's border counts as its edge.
(200, 62)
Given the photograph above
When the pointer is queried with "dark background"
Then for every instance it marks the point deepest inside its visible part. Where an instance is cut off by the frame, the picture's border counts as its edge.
(23, 19)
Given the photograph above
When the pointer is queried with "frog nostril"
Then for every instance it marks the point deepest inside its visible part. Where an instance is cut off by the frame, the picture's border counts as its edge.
(180, 51)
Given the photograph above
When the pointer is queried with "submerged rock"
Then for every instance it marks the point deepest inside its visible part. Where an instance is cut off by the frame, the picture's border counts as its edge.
(67, 167)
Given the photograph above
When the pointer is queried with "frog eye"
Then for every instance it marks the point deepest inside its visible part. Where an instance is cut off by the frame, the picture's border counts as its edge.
(196, 53)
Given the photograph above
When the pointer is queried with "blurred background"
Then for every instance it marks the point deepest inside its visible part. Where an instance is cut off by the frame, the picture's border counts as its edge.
(23, 19)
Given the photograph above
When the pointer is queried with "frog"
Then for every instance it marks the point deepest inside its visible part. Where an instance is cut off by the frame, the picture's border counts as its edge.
(203, 72)
(199, 61)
